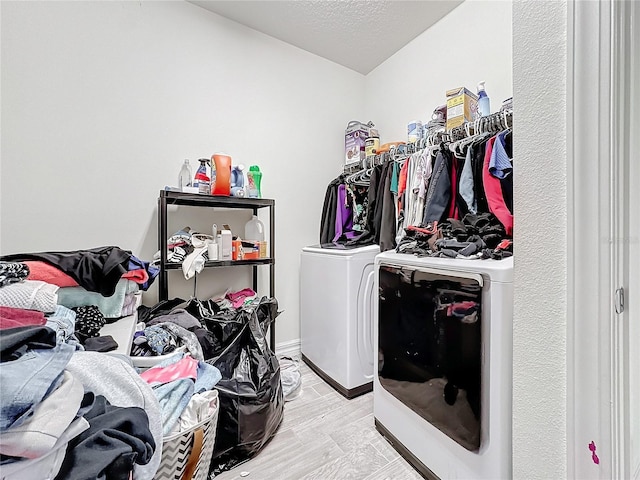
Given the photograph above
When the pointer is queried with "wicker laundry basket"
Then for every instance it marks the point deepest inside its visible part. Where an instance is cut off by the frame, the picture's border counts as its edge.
(187, 455)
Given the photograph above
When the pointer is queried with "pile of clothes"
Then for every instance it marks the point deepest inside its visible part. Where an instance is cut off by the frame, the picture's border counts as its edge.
(70, 414)
(476, 236)
(187, 248)
(184, 388)
(87, 287)
(176, 325)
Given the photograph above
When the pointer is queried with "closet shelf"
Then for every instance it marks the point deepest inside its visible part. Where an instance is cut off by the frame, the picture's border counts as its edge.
(224, 263)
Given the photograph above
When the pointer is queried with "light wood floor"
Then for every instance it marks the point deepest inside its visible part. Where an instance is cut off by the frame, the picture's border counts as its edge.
(324, 436)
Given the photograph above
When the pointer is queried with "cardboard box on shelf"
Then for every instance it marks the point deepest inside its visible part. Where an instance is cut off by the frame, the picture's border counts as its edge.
(462, 106)
(355, 137)
(251, 250)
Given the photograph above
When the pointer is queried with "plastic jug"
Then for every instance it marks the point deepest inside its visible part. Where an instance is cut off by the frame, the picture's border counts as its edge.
(254, 230)
(222, 163)
(254, 177)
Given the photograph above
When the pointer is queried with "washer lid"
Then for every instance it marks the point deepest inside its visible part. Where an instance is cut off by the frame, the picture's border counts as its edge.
(341, 250)
(496, 270)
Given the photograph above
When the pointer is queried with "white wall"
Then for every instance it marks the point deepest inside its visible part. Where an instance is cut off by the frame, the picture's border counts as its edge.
(470, 44)
(102, 101)
(540, 239)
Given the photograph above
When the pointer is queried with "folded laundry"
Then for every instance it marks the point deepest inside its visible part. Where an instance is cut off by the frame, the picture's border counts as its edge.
(30, 295)
(12, 272)
(111, 306)
(18, 317)
(95, 269)
(46, 272)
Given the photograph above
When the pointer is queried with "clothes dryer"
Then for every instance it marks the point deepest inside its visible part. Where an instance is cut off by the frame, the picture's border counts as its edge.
(336, 311)
(442, 380)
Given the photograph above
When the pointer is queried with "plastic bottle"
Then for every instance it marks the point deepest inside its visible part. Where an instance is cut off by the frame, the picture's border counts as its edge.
(237, 181)
(254, 230)
(184, 178)
(484, 107)
(254, 177)
(202, 178)
(222, 164)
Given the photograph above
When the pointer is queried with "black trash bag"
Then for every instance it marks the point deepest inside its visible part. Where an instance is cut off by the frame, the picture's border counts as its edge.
(222, 324)
(250, 392)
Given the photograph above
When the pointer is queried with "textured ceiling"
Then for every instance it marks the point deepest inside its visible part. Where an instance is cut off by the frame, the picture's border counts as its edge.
(358, 34)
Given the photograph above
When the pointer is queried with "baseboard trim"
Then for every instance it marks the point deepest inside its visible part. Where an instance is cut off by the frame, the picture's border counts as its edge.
(348, 393)
(288, 349)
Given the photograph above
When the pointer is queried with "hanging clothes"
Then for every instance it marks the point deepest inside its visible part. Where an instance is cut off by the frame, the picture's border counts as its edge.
(493, 191)
(328, 218)
(388, 214)
(439, 193)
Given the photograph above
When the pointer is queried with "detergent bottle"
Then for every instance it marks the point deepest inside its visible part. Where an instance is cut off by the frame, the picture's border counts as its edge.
(222, 164)
(254, 177)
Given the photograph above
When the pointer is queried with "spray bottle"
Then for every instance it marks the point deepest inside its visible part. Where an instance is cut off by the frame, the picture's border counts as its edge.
(202, 178)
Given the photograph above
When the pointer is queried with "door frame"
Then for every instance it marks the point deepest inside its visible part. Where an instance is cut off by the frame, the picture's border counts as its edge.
(598, 89)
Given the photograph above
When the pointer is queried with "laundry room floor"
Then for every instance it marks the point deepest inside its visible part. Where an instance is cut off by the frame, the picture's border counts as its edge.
(324, 436)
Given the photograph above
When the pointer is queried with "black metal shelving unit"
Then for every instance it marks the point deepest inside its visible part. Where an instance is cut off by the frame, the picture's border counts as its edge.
(195, 200)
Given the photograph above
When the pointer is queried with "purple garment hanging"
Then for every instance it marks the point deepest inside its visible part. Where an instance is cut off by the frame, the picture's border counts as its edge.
(344, 217)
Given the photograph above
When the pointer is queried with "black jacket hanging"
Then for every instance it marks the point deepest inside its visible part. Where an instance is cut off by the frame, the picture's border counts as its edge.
(328, 218)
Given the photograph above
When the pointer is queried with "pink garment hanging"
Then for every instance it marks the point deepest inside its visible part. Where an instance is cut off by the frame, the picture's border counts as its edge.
(493, 192)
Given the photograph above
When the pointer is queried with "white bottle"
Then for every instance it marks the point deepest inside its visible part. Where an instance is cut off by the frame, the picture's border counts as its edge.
(184, 178)
(212, 250)
(254, 230)
(226, 245)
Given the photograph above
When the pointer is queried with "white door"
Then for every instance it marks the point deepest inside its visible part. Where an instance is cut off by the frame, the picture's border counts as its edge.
(631, 254)
(604, 356)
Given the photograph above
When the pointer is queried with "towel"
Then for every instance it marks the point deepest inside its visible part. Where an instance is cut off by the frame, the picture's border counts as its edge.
(111, 307)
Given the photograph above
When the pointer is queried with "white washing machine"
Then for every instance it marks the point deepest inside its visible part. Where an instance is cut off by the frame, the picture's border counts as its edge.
(336, 311)
(442, 380)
